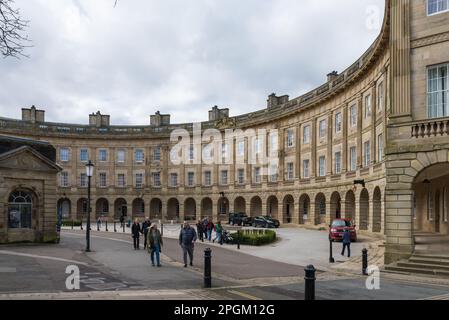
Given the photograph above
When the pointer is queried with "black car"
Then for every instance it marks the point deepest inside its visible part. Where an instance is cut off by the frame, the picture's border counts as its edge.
(240, 219)
(265, 222)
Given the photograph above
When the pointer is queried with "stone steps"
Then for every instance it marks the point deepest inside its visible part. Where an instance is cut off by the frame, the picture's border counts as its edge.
(433, 265)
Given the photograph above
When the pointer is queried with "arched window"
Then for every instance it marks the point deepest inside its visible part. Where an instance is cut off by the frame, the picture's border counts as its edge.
(20, 210)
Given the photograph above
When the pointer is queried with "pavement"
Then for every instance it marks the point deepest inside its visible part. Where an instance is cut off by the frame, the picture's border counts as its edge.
(113, 270)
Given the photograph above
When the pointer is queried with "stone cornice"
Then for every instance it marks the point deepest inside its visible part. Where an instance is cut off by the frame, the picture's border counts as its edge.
(430, 40)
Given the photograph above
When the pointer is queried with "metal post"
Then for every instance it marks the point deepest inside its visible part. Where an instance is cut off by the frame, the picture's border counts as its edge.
(115, 226)
(82, 224)
(123, 226)
(309, 278)
(107, 226)
(238, 239)
(72, 223)
(162, 229)
(365, 262)
(98, 226)
(207, 268)
(331, 256)
(88, 216)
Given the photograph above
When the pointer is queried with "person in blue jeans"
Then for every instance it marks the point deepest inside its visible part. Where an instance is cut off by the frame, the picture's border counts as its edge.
(155, 244)
(346, 243)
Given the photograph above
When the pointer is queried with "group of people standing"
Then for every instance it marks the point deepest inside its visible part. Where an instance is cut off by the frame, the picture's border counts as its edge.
(205, 228)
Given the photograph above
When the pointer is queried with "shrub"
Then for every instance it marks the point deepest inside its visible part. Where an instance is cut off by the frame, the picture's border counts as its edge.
(255, 237)
(68, 223)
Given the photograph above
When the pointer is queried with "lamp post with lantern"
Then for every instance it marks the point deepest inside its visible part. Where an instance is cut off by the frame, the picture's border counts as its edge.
(89, 173)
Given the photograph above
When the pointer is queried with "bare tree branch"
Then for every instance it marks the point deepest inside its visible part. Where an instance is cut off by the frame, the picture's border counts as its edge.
(13, 40)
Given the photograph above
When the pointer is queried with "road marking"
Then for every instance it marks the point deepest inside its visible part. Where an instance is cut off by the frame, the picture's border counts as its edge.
(441, 297)
(244, 295)
(20, 254)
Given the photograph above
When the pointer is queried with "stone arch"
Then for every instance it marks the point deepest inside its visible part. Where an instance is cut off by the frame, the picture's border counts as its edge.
(256, 206)
(364, 213)
(240, 205)
(288, 209)
(377, 210)
(350, 205)
(190, 209)
(173, 209)
(81, 208)
(138, 208)
(273, 206)
(320, 209)
(156, 209)
(304, 208)
(102, 208)
(64, 206)
(120, 208)
(206, 208)
(223, 209)
(335, 206)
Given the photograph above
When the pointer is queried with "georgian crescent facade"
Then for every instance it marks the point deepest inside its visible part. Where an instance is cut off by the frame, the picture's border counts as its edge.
(383, 120)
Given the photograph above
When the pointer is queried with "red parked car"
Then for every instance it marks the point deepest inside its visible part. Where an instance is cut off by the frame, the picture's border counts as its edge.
(338, 227)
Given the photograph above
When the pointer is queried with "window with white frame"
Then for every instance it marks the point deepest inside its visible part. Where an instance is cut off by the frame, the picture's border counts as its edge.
(208, 152)
(83, 180)
(306, 135)
(290, 138)
(367, 154)
(380, 148)
(322, 166)
(121, 156)
(173, 179)
(64, 179)
(290, 171)
(274, 173)
(258, 145)
(257, 177)
(322, 130)
(353, 115)
(156, 179)
(338, 122)
(224, 151)
(84, 155)
(437, 6)
(207, 178)
(353, 158)
(64, 154)
(241, 148)
(139, 156)
(274, 145)
(241, 176)
(337, 162)
(437, 91)
(191, 179)
(191, 152)
(224, 177)
(102, 180)
(103, 155)
(174, 153)
(121, 181)
(139, 180)
(368, 106)
(306, 169)
(380, 96)
(157, 154)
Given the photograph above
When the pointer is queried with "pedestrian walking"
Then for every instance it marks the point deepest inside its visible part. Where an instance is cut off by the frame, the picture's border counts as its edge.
(209, 228)
(199, 230)
(122, 221)
(187, 238)
(346, 243)
(136, 231)
(218, 231)
(155, 243)
(145, 227)
(205, 222)
(99, 223)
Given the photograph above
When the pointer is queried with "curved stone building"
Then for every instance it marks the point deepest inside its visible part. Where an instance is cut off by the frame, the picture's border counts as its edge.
(383, 122)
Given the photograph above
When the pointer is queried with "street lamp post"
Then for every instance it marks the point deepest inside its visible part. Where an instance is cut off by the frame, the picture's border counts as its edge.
(89, 173)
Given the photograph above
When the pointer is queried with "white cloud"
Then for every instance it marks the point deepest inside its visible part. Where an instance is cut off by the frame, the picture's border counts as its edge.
(178, 56)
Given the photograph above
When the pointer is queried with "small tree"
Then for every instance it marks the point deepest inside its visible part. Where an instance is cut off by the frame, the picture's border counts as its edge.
(13, 39)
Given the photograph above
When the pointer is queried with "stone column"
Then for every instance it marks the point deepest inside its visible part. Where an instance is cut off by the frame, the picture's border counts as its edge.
(312, 213)
(344, 151)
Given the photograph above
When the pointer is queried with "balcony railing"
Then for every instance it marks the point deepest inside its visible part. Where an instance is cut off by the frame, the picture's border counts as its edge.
(430, 128)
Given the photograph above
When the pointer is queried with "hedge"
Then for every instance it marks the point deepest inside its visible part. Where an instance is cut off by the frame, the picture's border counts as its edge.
(255, 237)
(68, 223)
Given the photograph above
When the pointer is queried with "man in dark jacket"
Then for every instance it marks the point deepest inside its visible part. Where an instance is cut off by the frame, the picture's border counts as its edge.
(145, 226)
(187, 238)
(346, 243)
(136, 231)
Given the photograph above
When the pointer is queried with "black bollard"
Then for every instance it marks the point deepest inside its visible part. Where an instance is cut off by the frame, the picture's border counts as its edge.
(221, 239)
(162, 229)
(365, 262)
(98, 227)
(238, 239)
(331, 256)
(107, 226)
(123, 227)
(81, 225)
(115, 226)
(72, 223)
(207, 268)
(309, 278)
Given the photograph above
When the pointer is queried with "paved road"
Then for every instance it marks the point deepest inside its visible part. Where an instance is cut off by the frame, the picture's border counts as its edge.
(114, 265)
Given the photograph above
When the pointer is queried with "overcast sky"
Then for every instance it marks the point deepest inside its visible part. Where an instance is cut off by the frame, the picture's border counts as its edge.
(179, 56)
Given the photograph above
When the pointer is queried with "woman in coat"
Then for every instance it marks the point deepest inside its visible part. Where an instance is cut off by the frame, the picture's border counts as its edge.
(155, 243)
